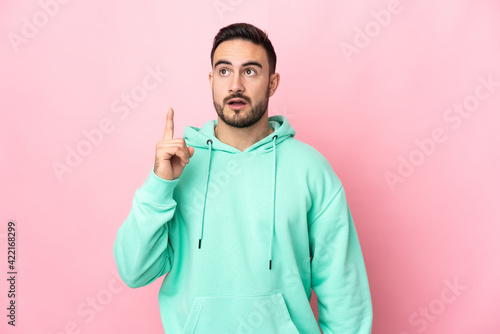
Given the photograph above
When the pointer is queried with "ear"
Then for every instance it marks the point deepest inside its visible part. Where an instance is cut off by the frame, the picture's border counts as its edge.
(211, 79)
(274, 81)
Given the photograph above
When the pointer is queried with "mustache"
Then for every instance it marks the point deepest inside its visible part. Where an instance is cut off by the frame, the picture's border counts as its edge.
(237, 96)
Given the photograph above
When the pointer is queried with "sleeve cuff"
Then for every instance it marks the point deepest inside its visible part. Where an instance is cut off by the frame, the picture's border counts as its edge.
(157, 189)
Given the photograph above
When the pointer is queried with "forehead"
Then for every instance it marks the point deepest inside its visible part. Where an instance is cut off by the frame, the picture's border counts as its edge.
(238, 51)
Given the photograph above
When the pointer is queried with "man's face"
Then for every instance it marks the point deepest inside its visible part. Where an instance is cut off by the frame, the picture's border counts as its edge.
(240, 81)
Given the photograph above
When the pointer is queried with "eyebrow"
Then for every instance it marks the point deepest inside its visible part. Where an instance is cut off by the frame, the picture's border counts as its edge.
(248, 63)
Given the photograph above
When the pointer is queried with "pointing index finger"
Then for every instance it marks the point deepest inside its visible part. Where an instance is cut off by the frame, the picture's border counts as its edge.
(169, 127)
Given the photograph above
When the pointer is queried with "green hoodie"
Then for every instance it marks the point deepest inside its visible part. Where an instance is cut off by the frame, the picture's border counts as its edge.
(244, 236)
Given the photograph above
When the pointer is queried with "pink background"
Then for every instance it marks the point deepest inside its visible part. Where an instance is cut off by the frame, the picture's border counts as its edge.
(370, 84)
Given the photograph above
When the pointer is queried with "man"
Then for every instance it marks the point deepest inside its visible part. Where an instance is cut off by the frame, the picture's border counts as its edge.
(243, 217)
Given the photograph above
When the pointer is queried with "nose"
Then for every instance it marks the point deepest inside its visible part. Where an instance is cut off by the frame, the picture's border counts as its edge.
(236, 84)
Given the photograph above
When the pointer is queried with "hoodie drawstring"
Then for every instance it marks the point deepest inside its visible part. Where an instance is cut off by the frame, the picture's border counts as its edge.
(271, 232)
(209, 143)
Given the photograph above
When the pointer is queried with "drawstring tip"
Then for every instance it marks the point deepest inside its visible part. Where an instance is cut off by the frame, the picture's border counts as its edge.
(199, 244)
(270, 261)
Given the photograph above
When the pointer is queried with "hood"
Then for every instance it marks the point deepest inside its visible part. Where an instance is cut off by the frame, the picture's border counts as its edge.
(204, 138)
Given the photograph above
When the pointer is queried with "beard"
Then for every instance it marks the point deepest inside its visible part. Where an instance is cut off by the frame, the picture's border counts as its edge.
(239, 119)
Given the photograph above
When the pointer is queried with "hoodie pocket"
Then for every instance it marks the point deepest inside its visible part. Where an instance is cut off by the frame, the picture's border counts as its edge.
(266, 314)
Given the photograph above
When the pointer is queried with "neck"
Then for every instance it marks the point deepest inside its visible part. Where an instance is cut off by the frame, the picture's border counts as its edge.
(242, 138)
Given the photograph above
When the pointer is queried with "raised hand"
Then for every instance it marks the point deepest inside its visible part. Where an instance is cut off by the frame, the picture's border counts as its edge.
(172, 155)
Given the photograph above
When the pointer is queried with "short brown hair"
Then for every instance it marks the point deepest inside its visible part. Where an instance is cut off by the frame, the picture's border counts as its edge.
(247, 32)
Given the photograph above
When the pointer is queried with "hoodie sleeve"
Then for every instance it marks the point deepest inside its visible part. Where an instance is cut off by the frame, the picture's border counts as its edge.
(339, 276)
(142, 249)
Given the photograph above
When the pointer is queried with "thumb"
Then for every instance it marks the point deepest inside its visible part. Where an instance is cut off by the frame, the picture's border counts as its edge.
(191, 151)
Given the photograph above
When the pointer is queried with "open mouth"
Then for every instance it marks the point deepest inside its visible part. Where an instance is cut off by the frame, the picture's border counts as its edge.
(237, 104)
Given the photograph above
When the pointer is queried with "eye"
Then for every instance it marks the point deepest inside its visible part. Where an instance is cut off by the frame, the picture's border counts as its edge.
(250, 71)
(224, 71)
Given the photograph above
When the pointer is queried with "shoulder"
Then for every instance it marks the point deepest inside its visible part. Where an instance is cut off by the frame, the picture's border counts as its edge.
(308, 155)
(309, 160)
